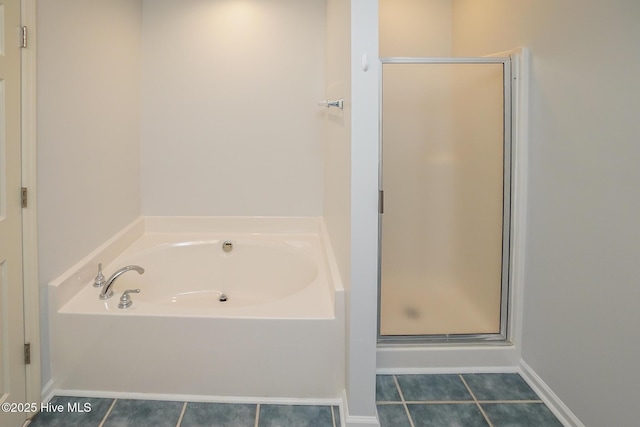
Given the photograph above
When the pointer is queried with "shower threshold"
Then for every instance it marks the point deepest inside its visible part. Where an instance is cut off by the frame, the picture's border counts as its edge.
(443, 339)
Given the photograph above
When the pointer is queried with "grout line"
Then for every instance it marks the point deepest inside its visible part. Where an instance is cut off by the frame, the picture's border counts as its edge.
(104, 419)
(476, 400)
(257, 415)
(398, 389)
(184, 408)
(406, 408)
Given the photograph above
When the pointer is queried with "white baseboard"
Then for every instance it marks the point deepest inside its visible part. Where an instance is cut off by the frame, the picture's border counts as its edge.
(348, 420)
(355, 421)
(199, 398)
(48, 391)
(559, 409)
(446, 358)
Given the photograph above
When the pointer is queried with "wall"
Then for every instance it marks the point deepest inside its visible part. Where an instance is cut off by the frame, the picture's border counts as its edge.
(362, 293)
(88, 128)
(230, 119)
(581, 313)
(337, 163)
(415, 27)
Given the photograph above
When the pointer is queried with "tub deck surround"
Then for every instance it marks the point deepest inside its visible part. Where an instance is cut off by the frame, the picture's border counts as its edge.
(266, 275)
(279, 335)
(75, 278)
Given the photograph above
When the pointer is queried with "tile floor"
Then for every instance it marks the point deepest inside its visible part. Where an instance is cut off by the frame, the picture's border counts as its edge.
(448, 400)
(153, 413)
(468, 400)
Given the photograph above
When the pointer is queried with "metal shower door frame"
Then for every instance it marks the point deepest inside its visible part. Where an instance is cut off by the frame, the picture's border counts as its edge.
(501, 338)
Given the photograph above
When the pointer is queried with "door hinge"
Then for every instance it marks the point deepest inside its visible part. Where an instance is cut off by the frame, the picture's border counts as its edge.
(23, 37)
(24, 197)
(27, 354)
(381, 201)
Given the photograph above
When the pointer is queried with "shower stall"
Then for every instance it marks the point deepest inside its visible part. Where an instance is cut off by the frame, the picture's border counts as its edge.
(445, 199)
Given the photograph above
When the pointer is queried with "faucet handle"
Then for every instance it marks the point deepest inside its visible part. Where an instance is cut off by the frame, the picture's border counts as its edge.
(99, 280)
(125, 299)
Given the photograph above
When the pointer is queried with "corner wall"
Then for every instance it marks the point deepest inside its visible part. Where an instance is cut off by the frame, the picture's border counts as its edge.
(88, 127)
(581, 314)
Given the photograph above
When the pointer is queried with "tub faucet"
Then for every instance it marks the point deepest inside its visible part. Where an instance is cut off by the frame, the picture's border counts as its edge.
(107, 292)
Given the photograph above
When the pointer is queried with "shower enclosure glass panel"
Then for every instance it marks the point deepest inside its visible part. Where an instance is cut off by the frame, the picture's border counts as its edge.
(445, 175)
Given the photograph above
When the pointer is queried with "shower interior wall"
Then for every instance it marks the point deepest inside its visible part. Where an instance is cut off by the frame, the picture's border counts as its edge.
(194, 107)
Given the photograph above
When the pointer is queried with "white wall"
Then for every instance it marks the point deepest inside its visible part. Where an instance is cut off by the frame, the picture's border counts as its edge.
(581, 297)
(88, 128)
(230, 119)
(362, 294)
(337, 161)
(415, 27)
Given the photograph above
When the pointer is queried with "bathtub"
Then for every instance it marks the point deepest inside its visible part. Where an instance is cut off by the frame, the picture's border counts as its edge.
(277, 333)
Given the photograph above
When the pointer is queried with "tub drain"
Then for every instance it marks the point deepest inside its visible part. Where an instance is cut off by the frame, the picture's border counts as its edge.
(223, 298)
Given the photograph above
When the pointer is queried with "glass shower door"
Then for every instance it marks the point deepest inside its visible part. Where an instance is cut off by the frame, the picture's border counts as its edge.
(445, 174)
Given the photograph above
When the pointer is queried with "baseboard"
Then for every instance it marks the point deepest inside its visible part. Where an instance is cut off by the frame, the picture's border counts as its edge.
(559, 409)
(348, 420)
(48, 391)
(446, 358)
(199, 398)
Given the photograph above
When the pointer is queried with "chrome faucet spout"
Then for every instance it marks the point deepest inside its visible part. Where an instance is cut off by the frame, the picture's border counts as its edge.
(107, 292)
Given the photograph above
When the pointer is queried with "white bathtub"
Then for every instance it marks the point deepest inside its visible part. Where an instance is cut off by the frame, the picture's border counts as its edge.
(279, 334)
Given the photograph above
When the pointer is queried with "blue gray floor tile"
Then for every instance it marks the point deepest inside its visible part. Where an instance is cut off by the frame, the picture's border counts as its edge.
(218, 415)
(295, 415)
(144, 413)
(433, 388)
(69, 417)
(520, 415)
(393, 416)
(468, 400)
(447, 415)
(386, 390)
(499, 387)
